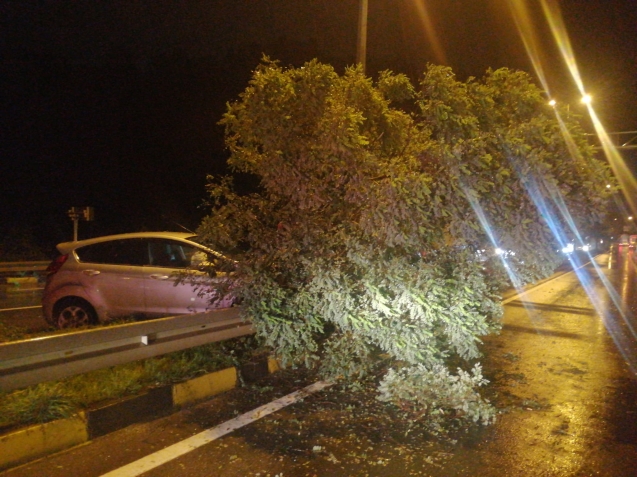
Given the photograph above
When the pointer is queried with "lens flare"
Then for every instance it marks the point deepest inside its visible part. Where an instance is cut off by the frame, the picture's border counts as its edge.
(428, 27)
(553, 16)
(617, 163)
(523, 21)
(486, 226)
(552, 205)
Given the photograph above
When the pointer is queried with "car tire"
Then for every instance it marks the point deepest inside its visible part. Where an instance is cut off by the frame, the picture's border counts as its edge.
(73, 313)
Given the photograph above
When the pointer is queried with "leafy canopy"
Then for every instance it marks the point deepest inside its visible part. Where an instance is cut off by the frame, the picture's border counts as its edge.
(373, 199)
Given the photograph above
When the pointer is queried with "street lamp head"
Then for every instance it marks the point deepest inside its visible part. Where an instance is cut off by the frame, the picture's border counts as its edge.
(586, 99)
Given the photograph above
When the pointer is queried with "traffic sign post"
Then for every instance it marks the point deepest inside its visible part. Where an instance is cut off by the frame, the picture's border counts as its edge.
(80, 213)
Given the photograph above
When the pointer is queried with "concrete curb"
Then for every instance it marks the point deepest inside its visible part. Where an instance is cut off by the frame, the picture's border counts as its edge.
(37, 441)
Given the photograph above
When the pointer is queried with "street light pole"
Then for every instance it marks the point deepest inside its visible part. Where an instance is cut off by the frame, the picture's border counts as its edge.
(361, 49)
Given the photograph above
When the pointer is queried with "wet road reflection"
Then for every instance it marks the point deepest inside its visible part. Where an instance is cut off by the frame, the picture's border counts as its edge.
(570, 391)
(621, 305)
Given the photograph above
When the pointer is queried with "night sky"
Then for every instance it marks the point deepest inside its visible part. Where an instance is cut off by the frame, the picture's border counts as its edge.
(115, 104)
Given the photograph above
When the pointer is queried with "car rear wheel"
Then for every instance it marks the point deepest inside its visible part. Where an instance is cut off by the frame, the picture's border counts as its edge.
(73, 312)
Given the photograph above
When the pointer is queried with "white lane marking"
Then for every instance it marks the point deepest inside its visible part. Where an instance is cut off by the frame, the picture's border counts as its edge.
(180, 448)
(21, 308)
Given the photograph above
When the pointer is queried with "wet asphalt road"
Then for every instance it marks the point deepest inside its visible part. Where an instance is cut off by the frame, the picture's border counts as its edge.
(563, 377)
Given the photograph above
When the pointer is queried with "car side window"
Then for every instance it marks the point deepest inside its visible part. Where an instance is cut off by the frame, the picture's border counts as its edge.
(170, 254)
(115, 252)
(96, 253)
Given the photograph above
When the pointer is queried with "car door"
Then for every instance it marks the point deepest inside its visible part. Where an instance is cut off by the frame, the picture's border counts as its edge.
(112, 274)
(170, 259)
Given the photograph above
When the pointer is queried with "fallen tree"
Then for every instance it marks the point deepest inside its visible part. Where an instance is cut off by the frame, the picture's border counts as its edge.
(377, 210)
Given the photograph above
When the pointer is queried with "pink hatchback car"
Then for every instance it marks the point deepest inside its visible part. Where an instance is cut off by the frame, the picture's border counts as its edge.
(96, 280)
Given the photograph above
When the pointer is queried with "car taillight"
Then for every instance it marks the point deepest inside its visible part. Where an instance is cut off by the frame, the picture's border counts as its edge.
(56, 264)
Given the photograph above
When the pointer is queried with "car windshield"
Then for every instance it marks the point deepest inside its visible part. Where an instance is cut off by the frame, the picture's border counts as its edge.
(195, 238)
(232, 255)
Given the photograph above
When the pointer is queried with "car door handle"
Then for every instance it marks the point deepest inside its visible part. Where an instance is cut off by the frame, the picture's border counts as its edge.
(91, 273)
(159, 276)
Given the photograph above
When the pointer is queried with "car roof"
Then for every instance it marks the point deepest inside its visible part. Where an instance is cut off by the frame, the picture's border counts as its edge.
(66, 247)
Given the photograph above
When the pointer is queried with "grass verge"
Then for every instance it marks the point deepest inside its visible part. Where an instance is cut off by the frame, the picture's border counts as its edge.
(60, 399)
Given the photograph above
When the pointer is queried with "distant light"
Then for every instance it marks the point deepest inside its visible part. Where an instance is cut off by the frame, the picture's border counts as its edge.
(552, 102)
(585, 248)
(586, 99)
(568, 249)
(630, 217)
(499, 251)
(608, 186)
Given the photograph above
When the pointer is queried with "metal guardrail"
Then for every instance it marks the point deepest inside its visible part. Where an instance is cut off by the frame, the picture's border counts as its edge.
(28, 362)
(38, 266)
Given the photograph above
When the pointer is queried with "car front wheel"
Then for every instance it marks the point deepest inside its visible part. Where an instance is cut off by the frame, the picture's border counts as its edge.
(74, 312)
